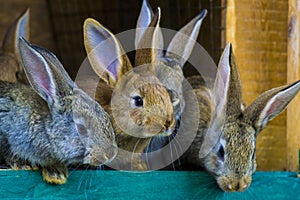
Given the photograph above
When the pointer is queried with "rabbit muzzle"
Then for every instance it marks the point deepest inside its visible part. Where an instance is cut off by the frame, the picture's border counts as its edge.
(99, 156)
(234, 183)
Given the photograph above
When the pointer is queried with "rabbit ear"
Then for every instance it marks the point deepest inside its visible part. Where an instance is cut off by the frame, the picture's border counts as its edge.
(222, 83)
(105, 52)
(19, 28)
(45, 79)
(181, 46)
(269, 104)
(223, 89)
(227, 89)
(150, 43)
(52, 60)
(143, 22)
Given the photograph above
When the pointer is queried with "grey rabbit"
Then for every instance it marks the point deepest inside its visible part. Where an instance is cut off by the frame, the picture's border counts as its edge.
(54, 123)
(10, 62)
(226, 136)
(227, 148)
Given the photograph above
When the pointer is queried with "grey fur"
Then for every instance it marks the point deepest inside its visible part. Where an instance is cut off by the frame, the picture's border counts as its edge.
(233, 127)
(52, 130)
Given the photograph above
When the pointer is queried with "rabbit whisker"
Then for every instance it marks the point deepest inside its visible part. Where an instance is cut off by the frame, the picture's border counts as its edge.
(147, 151)
(171, 152)
(132, 157)
(86, 189)
(176, 149)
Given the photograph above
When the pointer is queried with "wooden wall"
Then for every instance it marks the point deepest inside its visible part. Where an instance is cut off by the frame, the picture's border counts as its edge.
(258, 30)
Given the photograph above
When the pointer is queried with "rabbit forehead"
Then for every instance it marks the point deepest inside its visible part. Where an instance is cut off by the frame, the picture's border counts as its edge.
(170, 77)
(88, 112)
(239, 148)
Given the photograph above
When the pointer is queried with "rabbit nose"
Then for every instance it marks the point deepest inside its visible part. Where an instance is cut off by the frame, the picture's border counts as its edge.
(244, 183)
(99, 156)
(230, 184)
(110, 153)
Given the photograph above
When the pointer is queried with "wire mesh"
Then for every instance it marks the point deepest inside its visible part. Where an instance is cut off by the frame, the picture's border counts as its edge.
(67, 18)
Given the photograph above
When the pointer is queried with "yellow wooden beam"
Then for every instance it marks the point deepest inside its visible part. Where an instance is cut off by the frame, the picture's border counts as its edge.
(293, 74)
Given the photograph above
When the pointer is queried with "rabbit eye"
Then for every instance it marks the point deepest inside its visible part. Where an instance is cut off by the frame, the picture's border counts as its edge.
(221, 152)
(81, 129)
(174, 97)
(253, 155)
(138, 101)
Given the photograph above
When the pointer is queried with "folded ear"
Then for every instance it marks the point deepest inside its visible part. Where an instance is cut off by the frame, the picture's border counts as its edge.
(182, 44)
(150, 44)
(144, 21)
(44, 78)
(105, 52)
(19, 28)
(269, 104)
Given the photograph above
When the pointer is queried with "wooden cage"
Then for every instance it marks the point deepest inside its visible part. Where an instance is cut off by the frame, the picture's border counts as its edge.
(264, 34)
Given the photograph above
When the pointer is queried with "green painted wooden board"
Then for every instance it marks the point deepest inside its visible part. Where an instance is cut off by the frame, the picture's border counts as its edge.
(92, 184)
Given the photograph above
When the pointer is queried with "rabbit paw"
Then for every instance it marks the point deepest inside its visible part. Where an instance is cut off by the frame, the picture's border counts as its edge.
(55, 174)
(19, 164)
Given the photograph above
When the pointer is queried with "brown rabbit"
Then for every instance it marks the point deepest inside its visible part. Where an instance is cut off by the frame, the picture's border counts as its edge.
(10, 63)
(138, 103)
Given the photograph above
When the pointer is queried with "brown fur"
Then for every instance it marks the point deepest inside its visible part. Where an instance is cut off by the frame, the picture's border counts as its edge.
(134, 125)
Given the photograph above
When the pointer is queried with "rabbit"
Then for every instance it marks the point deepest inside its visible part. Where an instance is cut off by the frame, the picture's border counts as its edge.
(10, 63)
(177, 53)
(139, 104)
(226, 138)
(53, 123)
(221, 120)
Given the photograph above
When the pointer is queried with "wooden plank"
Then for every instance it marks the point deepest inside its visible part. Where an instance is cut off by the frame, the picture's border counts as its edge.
(293, 63)
(91, 184)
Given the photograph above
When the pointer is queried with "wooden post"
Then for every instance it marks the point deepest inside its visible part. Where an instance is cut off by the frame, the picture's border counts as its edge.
(293, 74)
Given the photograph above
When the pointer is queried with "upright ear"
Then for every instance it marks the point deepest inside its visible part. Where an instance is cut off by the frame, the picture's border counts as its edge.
(227, 89)
(44, 78)
(182, 44)
(144, 21)
(220, 94)
(53, 61)
(222, 84)
(150, 44)
(269, 104)
(19, 28)
(105, 52)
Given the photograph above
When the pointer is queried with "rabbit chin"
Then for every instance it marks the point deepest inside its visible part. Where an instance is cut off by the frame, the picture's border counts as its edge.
(166, 131)
(233, 183)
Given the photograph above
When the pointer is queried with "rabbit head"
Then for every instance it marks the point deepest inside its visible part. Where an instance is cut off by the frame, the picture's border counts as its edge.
(83, 130)
(139, 103)
(228, 148)
(169, 63)
(10, 63)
